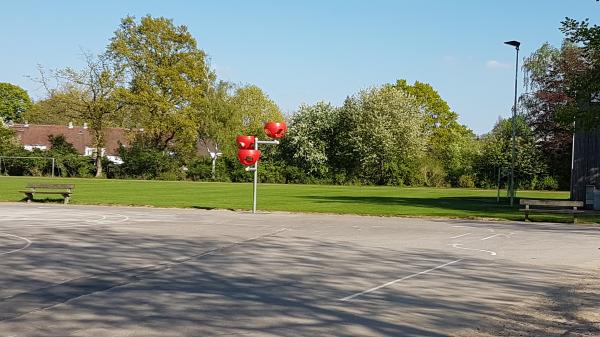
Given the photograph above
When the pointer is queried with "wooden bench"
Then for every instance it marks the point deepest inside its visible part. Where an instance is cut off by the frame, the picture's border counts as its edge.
(551, 206)
(61, 189)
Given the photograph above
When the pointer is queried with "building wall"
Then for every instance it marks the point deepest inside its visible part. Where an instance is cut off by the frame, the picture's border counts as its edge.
(586, 163)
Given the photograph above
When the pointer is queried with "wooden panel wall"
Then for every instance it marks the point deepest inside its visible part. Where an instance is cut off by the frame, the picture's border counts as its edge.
(586, 165)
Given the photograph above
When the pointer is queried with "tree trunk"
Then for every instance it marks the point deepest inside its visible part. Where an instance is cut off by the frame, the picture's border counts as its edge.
(98, 163)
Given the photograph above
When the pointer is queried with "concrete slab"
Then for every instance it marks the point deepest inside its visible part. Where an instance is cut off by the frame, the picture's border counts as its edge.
(119, 271)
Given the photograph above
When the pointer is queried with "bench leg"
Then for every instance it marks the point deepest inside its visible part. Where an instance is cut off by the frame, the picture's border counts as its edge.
(574, 214)
(526, 212)
(66, 196)
(29, 197)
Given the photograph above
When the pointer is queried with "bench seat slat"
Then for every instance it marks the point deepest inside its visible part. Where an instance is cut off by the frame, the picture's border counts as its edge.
(565, 211)
(551, 203)
(50, 186)
(60, 189)
(47, 192)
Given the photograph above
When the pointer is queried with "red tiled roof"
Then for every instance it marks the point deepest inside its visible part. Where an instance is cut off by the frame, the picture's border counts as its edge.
(80, 137)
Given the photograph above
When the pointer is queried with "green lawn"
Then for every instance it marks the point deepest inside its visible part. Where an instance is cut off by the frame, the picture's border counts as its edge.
(387, 201)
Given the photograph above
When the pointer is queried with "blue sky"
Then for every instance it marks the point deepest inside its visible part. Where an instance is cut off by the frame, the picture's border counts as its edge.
(307, 51)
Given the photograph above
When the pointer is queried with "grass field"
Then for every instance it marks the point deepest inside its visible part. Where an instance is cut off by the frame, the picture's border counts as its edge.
(370, 200)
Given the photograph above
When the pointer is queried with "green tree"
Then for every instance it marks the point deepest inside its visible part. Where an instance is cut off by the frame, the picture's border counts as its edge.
(68, 161)
(450, 144)
(93, 95)
(548, 71)
(437, 111)
(14, 101)
(55, 109)
(583, 85)
(59, 144)
(252, 108)
(308, 142)
(8, 140)
(379, 139)
(169, 80)
(496, 153)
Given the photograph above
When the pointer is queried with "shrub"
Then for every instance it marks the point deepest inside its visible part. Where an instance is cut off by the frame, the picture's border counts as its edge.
(548, 183)
(145, 162)
(466, 181)
(199, 170)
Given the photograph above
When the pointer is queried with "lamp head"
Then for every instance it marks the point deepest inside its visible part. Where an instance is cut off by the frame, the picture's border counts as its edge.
(513, 43)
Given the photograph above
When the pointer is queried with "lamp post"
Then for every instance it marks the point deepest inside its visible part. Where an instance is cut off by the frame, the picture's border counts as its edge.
(511, 187)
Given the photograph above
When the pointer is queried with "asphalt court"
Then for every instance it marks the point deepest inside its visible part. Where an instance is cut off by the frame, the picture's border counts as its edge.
(118, 271)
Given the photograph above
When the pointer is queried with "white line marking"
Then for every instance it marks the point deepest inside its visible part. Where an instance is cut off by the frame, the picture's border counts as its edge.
(493, 236)
(16, 250)
(460, 236)
(461, 226)
(348, 298)
(457, 246)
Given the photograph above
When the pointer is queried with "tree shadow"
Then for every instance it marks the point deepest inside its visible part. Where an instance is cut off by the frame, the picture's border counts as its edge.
(96, 281)
(471, 206)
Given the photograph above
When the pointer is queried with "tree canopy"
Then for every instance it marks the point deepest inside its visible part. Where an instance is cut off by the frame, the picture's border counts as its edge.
(380, 135)
(14, 101)
(169, 79)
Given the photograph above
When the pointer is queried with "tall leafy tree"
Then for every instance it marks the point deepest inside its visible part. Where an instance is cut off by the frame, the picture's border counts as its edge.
(380, 136)
(235, 110)
(8, 140)
(56, 108)
(584, 85)
(548, 72)
(309, 142)
(449, 143)
(14, 101)
(93, 95)
(496, 153)
(168, 77)
(252, 108)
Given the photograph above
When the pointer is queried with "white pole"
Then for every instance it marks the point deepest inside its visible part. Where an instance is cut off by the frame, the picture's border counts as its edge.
(214, 162)
(255, 185)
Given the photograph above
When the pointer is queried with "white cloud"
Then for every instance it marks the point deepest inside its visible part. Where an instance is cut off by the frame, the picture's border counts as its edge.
(493, 64)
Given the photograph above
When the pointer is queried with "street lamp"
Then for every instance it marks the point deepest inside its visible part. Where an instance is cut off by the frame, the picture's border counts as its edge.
(515, 44)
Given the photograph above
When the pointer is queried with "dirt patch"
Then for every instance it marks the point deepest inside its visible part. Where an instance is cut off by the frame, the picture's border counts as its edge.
(569, 310)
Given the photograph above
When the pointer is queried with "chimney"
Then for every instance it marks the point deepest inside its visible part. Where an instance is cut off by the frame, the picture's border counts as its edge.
(85, 126)
(70, 125)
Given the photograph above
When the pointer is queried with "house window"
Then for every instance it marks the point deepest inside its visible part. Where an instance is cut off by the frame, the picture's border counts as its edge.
(90, 151)
(33, 147)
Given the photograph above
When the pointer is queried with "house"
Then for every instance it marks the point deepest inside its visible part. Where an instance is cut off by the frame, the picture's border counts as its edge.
(34, 136)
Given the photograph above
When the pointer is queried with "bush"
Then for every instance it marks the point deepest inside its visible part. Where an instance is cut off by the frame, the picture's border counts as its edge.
(271, 172)
(548, 183)
(143, 162)
(200, 169)
(431, 173)
(73, 165)
(466, 181)
(26, 166)
(294, 175)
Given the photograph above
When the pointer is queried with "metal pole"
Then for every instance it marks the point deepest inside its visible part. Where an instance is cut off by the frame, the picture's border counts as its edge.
(498, 193)
(52, 167)
(214, 161)
(514, 131)
(255, 185)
